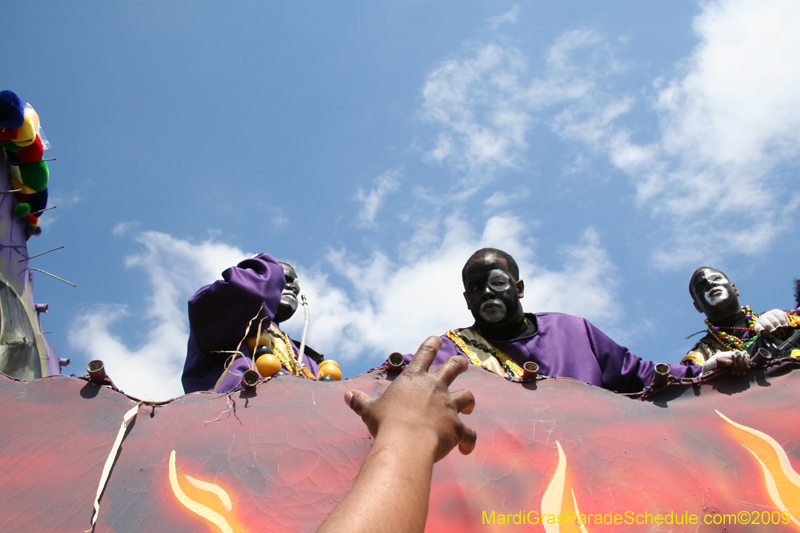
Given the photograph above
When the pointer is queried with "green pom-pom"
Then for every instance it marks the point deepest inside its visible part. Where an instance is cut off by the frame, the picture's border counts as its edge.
(11, 147)
(35, 175)
(20, 210)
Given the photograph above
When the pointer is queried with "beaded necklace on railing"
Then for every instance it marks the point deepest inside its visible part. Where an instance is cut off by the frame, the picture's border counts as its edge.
(726, 340)
(509, 365)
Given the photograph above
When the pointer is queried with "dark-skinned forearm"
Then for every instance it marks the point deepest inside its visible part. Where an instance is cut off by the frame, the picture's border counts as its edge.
(396, 476)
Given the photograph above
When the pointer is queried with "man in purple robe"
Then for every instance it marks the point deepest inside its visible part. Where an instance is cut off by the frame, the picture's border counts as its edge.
(223, 314)
(504, 337)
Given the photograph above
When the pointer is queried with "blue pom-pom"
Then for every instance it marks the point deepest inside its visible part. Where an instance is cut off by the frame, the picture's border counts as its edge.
(12, 111)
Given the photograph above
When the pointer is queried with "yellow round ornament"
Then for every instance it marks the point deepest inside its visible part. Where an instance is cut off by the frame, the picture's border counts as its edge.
(254, 342)
(329, 367)
(268, 365)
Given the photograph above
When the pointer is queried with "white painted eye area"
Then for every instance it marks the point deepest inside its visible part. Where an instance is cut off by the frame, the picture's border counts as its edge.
(499, 281)
(716, 277)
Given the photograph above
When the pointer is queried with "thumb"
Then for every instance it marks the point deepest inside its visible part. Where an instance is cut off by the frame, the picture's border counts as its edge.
(357, 400)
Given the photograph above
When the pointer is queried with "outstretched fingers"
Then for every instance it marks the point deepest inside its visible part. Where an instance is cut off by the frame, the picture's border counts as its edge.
(357, 400)
(425, 355)
(463, 401)
(468, 439)
(451, 369)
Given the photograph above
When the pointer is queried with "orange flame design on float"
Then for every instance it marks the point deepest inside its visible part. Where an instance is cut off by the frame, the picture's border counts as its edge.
(208, 500)
(781, 480)
(559, 499)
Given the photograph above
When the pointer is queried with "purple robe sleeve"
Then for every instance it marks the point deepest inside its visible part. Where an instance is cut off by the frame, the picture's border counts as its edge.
(220, 312)
(623, 371)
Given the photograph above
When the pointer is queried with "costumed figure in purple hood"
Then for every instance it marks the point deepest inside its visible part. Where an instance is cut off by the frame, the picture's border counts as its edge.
(233, 327)
(504, 337)
(731, 328)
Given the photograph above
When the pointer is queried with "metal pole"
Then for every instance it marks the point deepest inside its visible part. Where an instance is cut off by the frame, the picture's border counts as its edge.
(305, 326)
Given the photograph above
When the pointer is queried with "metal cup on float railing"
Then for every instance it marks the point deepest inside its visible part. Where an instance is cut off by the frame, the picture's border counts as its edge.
(250, 379)
(97, 371)
(529, 371)
(760, 358)
(396, 362)
(661, 376)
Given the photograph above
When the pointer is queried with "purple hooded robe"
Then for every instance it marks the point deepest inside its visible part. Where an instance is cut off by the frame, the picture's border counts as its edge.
(218, 316)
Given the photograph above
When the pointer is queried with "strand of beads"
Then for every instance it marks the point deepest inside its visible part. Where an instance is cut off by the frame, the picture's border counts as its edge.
(725, 340)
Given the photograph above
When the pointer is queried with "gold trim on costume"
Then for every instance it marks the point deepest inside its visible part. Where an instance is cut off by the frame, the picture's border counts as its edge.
(493, 362)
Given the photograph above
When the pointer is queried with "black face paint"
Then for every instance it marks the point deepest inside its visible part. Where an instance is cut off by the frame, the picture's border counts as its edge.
(714, 294)
(289, 296)
(492, 295)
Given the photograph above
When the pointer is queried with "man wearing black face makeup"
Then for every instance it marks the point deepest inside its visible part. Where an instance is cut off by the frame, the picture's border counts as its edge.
(731, 328)
(257, 291)
(288, 306)
(504, 337)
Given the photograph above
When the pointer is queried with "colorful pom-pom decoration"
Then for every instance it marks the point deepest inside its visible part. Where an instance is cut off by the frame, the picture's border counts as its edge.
(26, 134)
(22, 209)
(31, 153)
(24, 142)
(37, 201)
(11, 147)
(35, 175)
(12, 111)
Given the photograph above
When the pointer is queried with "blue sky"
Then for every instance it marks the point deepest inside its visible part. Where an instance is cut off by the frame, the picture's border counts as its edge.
(611, 147)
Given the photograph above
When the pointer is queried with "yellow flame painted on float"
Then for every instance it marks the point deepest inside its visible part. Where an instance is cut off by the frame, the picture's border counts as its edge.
(207, 500)
(554, 502)
(781, 480)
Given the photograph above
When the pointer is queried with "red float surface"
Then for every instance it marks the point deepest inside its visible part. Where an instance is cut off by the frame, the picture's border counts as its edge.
(281, 458)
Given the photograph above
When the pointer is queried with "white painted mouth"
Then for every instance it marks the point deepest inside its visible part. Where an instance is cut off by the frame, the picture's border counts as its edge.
(289, 298)
(715, 295)
(493, 310)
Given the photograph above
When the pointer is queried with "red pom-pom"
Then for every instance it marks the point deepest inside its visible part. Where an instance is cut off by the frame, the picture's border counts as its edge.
(31, 153)
(32, 219)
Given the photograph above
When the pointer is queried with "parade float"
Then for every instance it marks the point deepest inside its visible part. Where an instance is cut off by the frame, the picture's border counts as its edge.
(711, 454)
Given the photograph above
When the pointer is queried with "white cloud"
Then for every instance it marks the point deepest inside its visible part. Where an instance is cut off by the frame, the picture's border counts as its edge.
(279, 219)
(714, 177)
(392, 305)
(738, 103)
(65, 198)
(501, 199)
(509, 17)
(175, 269)
(386, 183)
(728, 124)
(485, 103)
(475, 100)
(388, 304)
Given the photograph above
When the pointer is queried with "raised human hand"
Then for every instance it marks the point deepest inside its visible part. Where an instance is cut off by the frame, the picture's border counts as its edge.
(771, 323)
(737, 360)
(418, 406)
